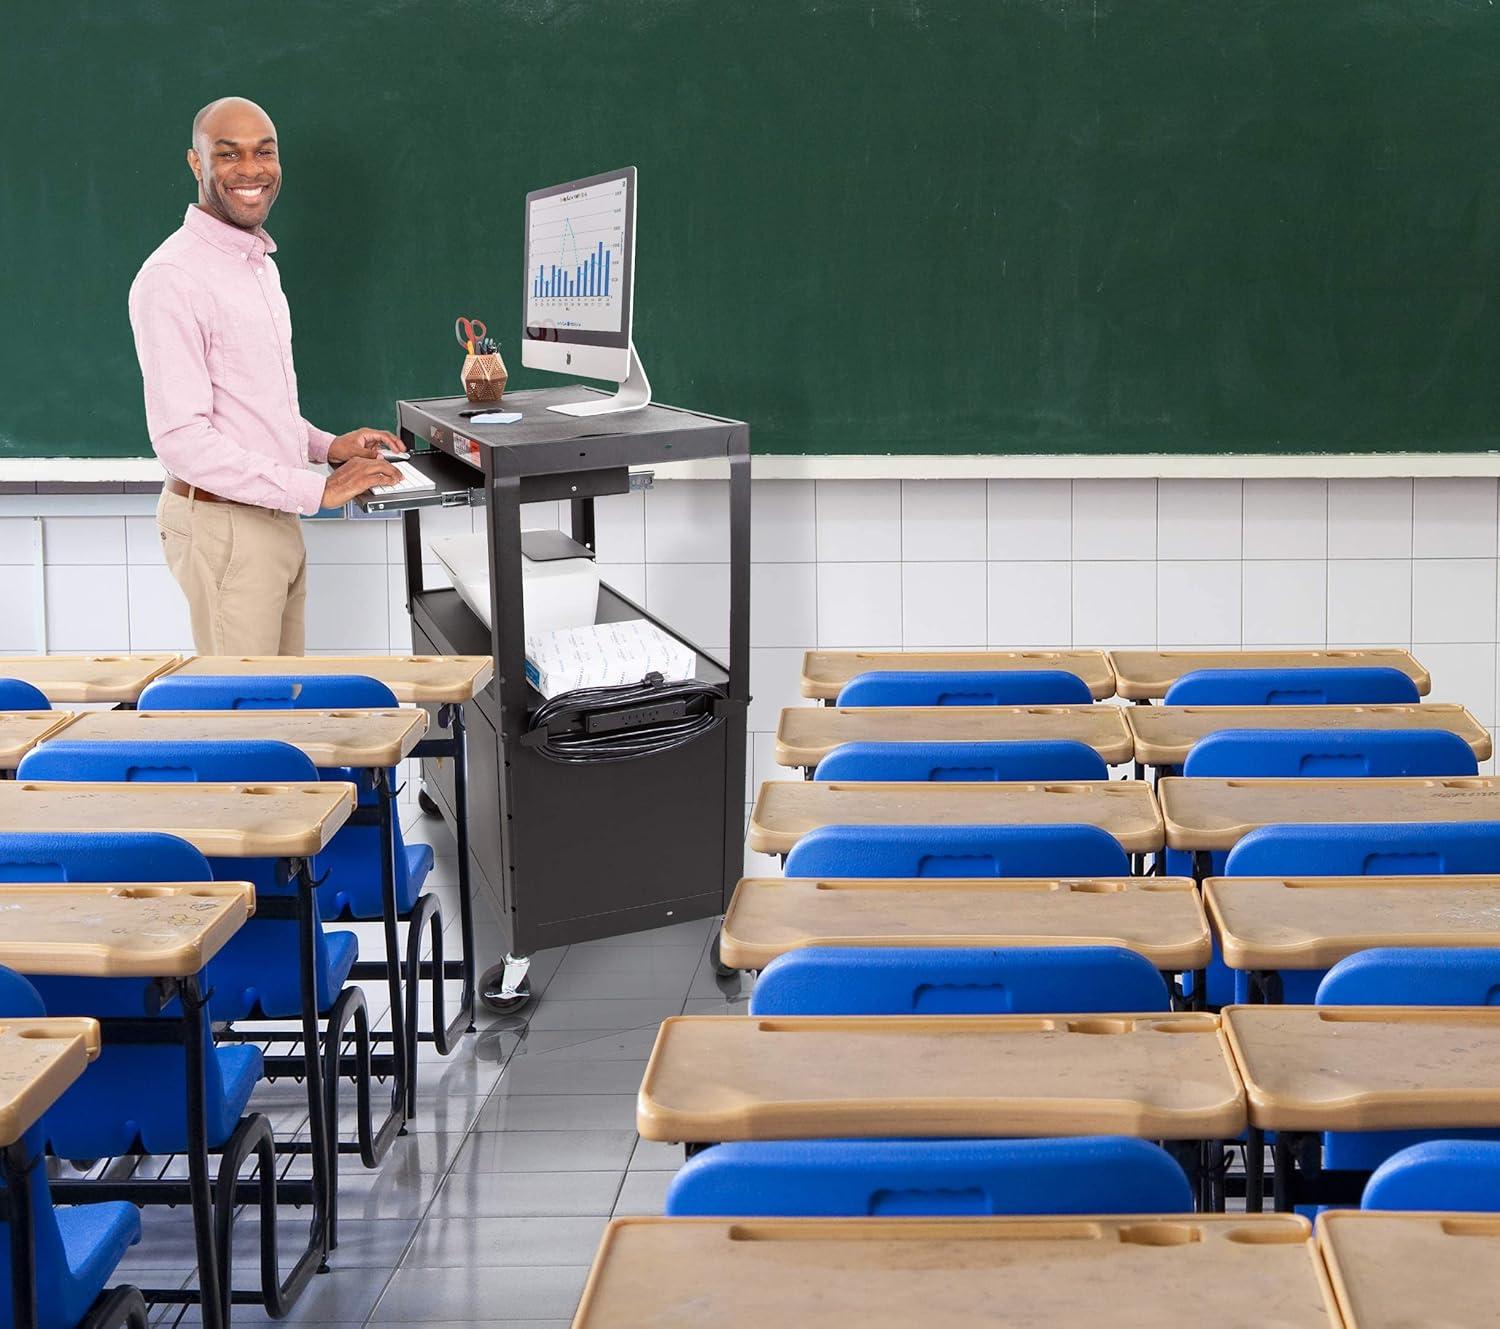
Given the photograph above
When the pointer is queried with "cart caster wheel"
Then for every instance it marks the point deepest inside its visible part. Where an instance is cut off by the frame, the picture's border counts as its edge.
(428, 804)
(494, 997)
(720, 968)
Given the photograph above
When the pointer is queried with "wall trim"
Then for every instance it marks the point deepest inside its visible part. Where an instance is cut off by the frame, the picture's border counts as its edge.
(19, 475)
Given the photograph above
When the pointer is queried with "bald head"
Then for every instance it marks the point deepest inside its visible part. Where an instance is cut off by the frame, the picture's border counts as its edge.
(234, 157)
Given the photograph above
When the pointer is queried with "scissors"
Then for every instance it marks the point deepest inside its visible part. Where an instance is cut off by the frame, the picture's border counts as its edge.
(469, 331)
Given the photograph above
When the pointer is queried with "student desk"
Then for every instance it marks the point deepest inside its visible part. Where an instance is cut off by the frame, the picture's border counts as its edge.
(1403, 1270)
(220, 820)
(1156, 1077)
(1266, 924)
(1145, 675)
(421, 679)
(956, 1273)
(165, 933)
(824, 673)
(785, 810)
(39, 1059)
(366, 740)
(88, 678)
(1163, 735)
(1162, 917)
(20, 731)
(807, 734)
(1309, 1069)
(1203, 815)
(442, 683)
(287, 822)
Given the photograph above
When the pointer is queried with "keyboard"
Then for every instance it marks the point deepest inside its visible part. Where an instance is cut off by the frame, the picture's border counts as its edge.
(412, 480)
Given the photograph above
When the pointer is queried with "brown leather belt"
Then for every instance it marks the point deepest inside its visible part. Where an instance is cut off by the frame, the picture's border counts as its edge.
(184, 490)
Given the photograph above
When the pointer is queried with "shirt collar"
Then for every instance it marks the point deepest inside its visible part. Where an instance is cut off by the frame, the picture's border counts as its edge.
(231, 239)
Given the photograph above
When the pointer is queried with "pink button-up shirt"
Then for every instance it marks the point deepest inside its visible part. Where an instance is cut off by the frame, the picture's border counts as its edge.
(214, 337)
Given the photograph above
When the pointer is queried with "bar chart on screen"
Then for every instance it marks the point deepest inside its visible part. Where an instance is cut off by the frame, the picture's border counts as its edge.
(575, 246)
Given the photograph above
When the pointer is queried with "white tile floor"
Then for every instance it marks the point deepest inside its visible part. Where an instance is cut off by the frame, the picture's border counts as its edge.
(489, 1211)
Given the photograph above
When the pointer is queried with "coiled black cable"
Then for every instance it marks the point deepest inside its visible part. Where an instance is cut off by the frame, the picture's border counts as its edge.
(595, 725)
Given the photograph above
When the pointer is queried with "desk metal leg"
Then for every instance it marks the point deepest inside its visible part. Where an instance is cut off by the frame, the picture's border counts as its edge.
(215, 1296)
(324, 1163)
(16, 1168)
(1255, 1170)
(1283, 1179)
(455, 715)
(403, 1080)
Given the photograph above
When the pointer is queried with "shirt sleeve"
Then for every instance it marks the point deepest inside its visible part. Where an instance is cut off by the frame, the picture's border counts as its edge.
(172, 347)
(317, 442)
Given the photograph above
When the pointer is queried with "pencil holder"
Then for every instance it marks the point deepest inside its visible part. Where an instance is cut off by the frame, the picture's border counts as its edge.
(483, 378)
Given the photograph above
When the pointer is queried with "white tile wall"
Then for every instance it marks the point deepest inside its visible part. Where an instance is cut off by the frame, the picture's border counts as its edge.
(943, 520)
(1369, 518)
(891, 563)
(1031, 520)
(1030, 604)
(857, 520)
(1114, 519)
(1454, 518)
(1285, 519)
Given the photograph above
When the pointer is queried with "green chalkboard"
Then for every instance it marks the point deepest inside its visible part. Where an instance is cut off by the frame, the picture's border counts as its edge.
(1008, 226)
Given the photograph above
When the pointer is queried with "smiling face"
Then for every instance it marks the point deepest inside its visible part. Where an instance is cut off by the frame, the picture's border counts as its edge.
(235, 160)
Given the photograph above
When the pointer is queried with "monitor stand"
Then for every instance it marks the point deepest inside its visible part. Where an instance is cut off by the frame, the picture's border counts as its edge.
(634, 393)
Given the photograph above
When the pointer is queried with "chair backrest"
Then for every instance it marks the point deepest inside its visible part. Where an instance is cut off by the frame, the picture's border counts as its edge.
(18, 695)
(1060, 759)
(233, 761)
(1438, 1176)
(1367, 849)
(920, 980)
(957, 687)
(1292, 687)
(1414, 976)
(271, 692)
(99, 856)
(1330, 753)
(864, 1178)
(957, 851)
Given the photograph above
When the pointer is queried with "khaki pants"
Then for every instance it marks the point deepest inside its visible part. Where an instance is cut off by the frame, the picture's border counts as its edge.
(243, 570)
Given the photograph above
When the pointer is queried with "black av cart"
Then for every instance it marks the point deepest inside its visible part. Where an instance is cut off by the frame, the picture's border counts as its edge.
(578, 849)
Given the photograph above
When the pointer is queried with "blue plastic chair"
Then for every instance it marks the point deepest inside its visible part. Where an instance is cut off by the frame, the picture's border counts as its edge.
(1336, 754)
(18, 695)
(91, 856)
(351, 887)
(256, 975)
(901, 980)
(131, 1096)
(1399, 976)
(1414, 976)
(1438, 1176)
(957, 851)
(957, 687)
(269, 692)
(78, 1247)
(1368, 849)
(860, 1178)
(1063, 759)
(1292, 687)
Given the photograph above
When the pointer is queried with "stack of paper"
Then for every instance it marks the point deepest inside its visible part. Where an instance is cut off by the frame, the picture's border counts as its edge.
(604, 655)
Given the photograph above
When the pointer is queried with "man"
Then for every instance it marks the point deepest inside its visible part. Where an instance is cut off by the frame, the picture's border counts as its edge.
(214, 338)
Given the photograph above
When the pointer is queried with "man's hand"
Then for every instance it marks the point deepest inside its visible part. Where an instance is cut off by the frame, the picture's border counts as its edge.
(363, 443)
(356, 476)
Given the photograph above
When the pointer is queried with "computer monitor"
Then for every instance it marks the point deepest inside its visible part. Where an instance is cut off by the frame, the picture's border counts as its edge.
(580, 287)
